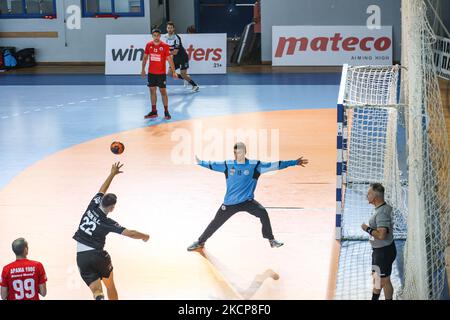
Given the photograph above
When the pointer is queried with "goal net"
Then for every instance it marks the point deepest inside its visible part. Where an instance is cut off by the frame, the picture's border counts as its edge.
(368, 136)
(391, 130)
(429, 167)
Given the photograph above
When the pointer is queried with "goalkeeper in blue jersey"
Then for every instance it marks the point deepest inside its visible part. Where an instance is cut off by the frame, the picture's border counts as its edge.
(242, 175)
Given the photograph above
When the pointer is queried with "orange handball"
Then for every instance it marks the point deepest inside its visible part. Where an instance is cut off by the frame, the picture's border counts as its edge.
(117, 147)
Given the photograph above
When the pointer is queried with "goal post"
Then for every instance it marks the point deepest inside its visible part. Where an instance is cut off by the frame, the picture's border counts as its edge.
(367, 125)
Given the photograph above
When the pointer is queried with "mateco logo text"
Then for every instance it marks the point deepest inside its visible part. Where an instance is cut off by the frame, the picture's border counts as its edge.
(288, 45)
(331, 45)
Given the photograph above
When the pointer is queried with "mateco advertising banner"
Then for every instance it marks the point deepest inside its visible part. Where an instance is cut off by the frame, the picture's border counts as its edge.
(207, 53)
(441, 49)
(331, 45)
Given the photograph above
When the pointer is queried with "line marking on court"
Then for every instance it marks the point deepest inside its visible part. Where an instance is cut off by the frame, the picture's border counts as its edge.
(303, 209)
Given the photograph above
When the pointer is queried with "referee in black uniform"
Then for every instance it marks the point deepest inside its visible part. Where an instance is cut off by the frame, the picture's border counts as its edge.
(93, 262)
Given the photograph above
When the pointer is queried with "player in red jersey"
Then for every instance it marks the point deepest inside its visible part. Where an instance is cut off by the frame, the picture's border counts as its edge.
(23, 279)
(159, 53)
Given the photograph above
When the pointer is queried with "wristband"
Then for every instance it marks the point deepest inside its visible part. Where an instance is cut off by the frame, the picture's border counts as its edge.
(369, 230)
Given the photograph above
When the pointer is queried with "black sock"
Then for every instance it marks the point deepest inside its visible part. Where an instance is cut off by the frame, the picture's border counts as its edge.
(180, 76)
(375, 296)
(192, 83)
(100, 297)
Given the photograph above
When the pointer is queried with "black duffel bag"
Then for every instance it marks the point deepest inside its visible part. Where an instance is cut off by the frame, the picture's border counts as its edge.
(25, 58)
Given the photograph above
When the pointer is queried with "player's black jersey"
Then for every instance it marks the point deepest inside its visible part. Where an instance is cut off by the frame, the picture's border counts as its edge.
(95, 225)
(174, 42)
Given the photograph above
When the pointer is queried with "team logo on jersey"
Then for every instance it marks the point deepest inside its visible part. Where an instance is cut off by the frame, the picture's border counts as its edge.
(155, 57)
(232, 171)
(161, 48)
(246, 172)
(224, 208)
(97, 200)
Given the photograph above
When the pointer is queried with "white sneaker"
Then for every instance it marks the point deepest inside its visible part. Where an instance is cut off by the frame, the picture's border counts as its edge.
(195, 88)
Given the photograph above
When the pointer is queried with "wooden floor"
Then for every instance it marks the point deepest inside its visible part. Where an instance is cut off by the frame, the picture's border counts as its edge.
(175, 202)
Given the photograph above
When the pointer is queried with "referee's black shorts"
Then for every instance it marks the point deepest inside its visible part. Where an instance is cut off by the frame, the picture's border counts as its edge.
(382, 260)
(93, 265)
(157, 80)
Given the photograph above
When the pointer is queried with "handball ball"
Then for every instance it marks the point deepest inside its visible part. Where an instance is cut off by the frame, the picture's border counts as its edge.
(117, 147)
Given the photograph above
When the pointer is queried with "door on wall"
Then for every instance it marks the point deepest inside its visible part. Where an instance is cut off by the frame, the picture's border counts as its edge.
(223, 16)
(158, 13)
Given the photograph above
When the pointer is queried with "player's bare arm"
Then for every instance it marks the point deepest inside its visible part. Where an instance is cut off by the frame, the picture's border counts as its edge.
(4, 293)
(115, 170)
(379, 233)
(172, 67)
(144, 64)
(135, 235)
(43, 289)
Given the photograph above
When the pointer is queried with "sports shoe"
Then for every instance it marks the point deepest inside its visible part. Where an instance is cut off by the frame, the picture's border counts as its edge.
(196, 245)
(151, 115)
(167, 115)
(195, 88)
(275, 244)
